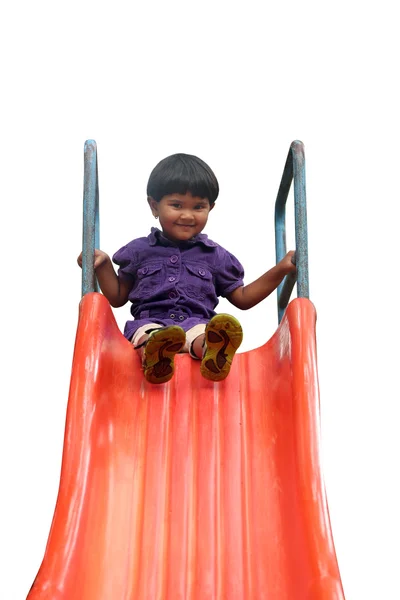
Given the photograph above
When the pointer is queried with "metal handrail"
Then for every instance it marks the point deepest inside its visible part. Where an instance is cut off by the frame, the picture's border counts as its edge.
(294, 170)
(91, 233)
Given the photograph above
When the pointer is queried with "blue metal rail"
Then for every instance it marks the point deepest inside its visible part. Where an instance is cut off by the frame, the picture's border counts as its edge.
(294, 170)
(91, 238)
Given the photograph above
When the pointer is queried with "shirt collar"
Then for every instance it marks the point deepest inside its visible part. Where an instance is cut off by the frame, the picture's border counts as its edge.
(157, 237)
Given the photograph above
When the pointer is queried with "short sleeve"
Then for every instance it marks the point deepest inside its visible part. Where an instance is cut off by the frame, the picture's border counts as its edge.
(125, 260)
(229, 274)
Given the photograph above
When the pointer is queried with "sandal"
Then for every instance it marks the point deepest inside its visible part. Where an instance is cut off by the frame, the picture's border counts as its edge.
(159, 353)
(223, 337)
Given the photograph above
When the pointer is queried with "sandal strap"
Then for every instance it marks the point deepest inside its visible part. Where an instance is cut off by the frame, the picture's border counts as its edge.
(148, 332)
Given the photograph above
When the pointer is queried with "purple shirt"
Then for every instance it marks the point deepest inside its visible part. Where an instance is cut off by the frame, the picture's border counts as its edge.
(176, 284)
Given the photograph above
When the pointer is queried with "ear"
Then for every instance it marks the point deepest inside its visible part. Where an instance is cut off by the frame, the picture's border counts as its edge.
(153, 206)
(212, 206)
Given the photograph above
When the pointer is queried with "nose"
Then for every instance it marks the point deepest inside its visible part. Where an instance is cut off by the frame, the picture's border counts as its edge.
(186, 215)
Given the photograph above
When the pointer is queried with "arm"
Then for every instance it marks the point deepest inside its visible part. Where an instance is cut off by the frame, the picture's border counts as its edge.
(247, 296)
(116, 290)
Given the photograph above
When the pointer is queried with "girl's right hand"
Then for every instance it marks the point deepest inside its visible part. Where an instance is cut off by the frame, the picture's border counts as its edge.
(288, 263)
(100, 258)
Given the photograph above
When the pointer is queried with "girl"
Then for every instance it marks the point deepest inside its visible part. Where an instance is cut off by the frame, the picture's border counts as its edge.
(174, 276)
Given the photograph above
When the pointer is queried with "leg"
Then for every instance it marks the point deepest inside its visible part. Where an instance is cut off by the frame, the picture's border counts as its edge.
(141, 336)
(195, 341)
(197, 347)
(223, 337)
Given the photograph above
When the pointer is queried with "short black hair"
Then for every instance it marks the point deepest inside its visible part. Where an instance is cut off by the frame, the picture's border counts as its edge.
(180, 174)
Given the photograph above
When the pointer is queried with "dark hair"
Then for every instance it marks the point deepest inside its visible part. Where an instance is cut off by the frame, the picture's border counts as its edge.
(182, 173)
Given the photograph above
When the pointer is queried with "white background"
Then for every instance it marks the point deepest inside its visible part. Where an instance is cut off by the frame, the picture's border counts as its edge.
(235, 84)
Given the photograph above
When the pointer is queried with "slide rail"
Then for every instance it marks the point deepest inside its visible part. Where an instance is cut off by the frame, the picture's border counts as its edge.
(91, 228)
(294, 171)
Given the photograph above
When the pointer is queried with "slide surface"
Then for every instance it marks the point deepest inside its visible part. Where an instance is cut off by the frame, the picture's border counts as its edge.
(191, 489)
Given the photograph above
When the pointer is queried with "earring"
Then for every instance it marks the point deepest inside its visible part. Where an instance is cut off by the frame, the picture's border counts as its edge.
(156, 216)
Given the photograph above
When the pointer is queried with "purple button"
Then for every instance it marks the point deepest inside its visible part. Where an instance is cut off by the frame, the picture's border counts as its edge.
(171, 279)
(202, 272)
(173, 258)
(172, 294)
(144, 270)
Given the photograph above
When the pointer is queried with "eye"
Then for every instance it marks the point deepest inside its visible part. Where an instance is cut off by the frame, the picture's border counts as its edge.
(176, 204)
(200, 207)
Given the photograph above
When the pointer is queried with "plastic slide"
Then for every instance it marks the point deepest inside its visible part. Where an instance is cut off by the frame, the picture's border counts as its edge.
(190, 489)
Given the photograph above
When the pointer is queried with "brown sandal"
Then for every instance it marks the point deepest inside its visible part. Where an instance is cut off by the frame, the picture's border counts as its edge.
(159, 353)
(223, 337)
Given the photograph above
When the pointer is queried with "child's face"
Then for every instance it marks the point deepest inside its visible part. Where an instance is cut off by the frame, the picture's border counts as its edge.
(182, 216)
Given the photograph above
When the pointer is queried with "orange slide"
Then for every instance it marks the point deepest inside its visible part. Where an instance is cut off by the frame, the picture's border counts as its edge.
(191, 489)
